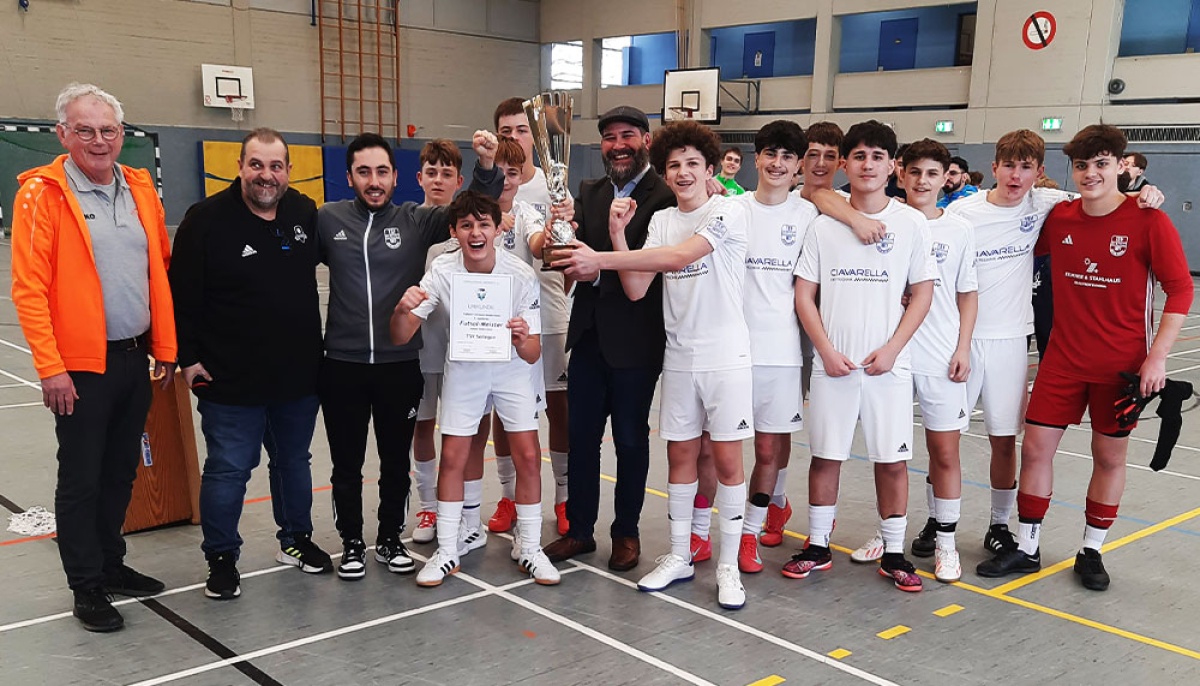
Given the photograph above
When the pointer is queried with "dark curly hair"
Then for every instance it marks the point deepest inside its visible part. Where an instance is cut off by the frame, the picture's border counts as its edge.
(472, 204)
(680, 134)
(1096, 139)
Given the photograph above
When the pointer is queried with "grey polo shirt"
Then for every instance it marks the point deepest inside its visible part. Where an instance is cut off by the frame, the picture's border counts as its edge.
(120, 248)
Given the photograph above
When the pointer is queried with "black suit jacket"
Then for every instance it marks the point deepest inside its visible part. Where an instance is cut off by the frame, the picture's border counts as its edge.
(630, 333)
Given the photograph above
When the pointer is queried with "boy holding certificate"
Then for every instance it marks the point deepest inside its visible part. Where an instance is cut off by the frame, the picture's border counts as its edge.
(495, 326)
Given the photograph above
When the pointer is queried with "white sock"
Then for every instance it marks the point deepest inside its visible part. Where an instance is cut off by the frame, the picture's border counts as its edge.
(426, 484)
(929, 498)
(1003, 502)
(679, 512)
(449, 515)
(529, 525)
(946, 511)
(755, 517)
(701, 520)
(508, 476)
(1028, 535)
(779, 495)
(558, 465)
(731, 506)
(820, 524)
(893, 529)
(1092, 537)
(472, 499)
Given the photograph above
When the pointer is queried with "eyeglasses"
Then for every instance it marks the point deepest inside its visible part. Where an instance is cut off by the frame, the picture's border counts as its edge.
(87, 134)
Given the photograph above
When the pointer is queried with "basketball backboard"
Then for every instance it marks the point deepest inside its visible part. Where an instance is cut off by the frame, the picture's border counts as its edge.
(227, 87)
(692, 94)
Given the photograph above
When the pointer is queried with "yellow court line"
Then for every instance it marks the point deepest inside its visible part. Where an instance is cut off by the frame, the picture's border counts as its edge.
(889, 634)
(1024, 581)
(949, 610)
(839, 654)
(773, 680)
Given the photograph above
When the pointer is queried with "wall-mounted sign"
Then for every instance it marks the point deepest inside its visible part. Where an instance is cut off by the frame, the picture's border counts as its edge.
(1040, 29)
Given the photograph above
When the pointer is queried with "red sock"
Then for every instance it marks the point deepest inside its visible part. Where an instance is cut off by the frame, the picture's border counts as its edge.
(1099, 515)
(1032, 507)
(701, 502)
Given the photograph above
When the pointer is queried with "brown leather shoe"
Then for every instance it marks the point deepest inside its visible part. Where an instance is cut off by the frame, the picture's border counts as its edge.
(566, 548)
(625, 552)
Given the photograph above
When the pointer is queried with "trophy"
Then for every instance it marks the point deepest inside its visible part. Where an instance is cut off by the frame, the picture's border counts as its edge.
(550, 124)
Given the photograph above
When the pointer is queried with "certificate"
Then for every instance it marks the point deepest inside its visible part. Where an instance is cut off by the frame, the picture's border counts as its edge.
(480, 307)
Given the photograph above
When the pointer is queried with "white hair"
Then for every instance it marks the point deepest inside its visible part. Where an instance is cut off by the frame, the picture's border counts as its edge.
(75, 91)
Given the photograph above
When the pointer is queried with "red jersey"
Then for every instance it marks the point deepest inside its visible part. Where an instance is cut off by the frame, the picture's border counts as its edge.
(1103, 271)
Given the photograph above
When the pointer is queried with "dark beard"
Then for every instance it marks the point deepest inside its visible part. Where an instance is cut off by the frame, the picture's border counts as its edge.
(637, 163)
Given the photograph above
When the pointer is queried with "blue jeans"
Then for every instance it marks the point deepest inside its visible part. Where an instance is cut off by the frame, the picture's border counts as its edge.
(235, 436)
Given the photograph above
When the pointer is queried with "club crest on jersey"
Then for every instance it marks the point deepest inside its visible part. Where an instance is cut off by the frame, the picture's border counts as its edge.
(391, 237)
(1028, 223)
(717, 227)
(542, 209)
(940, 251)
(299, 233)
(887, 243)
(510, 240)
(787, 234)
(1118, 245)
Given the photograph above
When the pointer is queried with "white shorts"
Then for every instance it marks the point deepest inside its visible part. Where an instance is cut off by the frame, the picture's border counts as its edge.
(427, 410)
(719, 402)
(778, 401)
(554, 361)
(472, 388)
(943, 402)
(883, 402)
(999, 374)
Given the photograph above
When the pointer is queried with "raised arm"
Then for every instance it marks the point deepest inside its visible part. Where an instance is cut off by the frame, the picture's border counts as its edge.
(404, 324)
(831, 204)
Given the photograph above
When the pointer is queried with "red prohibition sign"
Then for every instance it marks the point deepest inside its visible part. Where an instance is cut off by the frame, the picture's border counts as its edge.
(1040, 29)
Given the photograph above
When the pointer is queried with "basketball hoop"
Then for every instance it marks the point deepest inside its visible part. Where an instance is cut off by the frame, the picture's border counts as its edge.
(237, 106)
(683, 112)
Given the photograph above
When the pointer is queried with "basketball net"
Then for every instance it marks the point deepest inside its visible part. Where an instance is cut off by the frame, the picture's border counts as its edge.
(236, 107)
(684, 112)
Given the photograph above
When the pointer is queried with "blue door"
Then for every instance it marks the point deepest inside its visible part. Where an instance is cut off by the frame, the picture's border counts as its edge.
(758, 55)
(898, 44)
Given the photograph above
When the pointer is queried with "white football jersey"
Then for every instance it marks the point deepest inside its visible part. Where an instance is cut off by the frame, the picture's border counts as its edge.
(556, 306)
(776, 234)
(861, 286)
(702, 303)
(953, 249)
(1004, 240)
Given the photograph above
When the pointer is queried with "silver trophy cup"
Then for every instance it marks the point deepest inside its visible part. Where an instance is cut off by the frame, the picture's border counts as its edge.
(550, 123)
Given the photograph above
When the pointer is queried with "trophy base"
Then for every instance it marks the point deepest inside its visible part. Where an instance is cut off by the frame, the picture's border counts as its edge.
(547, 256)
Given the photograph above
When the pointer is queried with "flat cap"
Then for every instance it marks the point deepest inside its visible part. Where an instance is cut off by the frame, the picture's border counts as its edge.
(627, 114)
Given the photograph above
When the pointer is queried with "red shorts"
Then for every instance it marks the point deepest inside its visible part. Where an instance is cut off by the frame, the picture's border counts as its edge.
(1059, 400)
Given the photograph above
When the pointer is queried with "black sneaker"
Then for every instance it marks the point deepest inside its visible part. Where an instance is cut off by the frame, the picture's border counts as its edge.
(391, 552)
(1090, 568)
(305, 554)
(354, 560)
(127, 581)
(925, 542)
(93, 608)
(999, 539)
(1010, 562)
(224, 582)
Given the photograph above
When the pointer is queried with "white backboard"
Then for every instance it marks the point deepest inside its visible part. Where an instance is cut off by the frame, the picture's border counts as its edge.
(692, 94)
(228, 87)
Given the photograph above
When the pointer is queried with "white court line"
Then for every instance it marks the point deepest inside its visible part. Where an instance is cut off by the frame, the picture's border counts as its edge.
(1139, 439)
(1130, 465)
(746, 629)
(17, 347)
(23, 382)
(1185, 369)
(1183, 353)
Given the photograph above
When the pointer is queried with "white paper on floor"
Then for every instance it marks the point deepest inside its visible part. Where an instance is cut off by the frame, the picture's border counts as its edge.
(35, 521)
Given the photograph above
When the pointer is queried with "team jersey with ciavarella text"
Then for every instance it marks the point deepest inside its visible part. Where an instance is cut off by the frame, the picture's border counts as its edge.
(1103, 271)
(952, 246)
(861, 286)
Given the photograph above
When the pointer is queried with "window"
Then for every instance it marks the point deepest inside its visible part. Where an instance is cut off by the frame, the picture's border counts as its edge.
(613, 70)
(566, 65)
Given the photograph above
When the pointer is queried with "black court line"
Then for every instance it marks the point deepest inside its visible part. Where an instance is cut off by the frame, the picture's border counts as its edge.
(10, 505)
(213, 645)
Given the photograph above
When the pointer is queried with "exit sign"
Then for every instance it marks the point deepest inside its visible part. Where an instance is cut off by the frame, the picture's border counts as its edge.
(1051, 124)
(944, 126)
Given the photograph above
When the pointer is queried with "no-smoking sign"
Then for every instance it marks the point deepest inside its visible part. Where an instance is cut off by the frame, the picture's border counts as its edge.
(1039, 30)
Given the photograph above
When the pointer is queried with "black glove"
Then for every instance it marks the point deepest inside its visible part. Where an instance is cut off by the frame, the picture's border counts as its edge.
(1130, 406)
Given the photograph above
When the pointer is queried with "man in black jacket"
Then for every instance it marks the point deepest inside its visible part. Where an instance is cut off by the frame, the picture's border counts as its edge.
(243, 276)
(375, 251)
(617, 348)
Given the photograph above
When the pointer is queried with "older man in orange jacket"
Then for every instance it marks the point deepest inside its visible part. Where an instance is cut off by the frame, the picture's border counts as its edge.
(90, 254)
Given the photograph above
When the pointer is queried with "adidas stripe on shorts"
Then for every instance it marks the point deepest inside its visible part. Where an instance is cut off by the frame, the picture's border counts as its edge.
(943, 403)
(719, 402)
(884, 404)
(778, 399)
(554, 361)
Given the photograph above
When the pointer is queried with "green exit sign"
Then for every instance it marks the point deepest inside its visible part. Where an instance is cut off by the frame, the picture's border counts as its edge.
(944, 126)
(1051, 124)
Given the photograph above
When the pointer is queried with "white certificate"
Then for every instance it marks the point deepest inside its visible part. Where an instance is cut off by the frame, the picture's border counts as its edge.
(480, 307)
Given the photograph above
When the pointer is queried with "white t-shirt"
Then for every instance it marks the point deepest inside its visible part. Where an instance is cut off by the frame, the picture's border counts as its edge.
(525, 292)
(953, 248)
(556, 304)
(702, 303)
(435, 332)
(1004, 239)
(861, 285)
(776, 234)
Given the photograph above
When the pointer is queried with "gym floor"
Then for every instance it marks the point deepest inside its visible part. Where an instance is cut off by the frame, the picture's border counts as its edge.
(491, 625)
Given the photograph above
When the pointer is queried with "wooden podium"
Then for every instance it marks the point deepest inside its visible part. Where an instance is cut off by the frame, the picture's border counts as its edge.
(167, 489)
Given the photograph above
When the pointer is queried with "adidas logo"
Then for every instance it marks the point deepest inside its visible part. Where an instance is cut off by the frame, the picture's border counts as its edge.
(903, 448)
(248, 251)
(797, 418)
(412, 413)
(563, 377)
(1068, 241)
(961, 414)
(743, 425)
(340, 236)
(539, 397)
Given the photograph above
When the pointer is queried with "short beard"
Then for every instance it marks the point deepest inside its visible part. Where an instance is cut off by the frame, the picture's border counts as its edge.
(638, 162)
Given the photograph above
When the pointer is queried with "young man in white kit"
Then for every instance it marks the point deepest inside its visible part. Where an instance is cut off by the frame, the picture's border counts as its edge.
(469, 387)
(860, 330)
(511, 121)
(700, 247)
(941, 357)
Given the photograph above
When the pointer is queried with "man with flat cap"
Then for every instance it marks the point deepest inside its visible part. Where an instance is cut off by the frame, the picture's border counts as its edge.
(616, 348)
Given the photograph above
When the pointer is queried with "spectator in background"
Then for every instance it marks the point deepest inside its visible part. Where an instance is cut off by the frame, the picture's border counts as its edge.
(957, 185)
(976, 179)
(1134, 177)
(731, 163)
